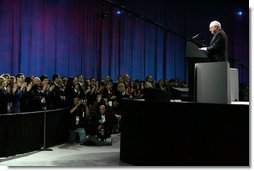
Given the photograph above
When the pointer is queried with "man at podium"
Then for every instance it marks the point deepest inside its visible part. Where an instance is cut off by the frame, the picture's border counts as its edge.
(218, 49)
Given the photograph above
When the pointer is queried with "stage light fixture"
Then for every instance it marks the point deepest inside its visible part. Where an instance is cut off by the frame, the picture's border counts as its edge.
(239, 13)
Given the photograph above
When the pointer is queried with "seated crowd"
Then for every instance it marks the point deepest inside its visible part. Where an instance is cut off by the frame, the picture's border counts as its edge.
(94, 106)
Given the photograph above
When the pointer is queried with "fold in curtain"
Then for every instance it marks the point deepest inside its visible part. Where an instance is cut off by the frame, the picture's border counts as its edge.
(67, 37)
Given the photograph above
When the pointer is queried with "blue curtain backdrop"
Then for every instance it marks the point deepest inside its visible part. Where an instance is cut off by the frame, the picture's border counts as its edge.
(67, 37)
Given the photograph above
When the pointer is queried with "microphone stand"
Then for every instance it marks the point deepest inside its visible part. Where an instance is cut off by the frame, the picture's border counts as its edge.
(44, 107)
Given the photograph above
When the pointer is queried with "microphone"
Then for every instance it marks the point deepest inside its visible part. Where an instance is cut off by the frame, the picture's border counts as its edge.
(196, 36)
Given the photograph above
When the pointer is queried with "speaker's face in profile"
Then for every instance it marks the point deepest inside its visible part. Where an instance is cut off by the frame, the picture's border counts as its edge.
(213, 29)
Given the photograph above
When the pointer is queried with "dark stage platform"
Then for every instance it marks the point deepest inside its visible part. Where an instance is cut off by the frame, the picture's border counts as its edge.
(184, 133)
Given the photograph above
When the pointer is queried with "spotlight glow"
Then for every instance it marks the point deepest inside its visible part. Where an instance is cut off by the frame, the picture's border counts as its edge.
(118, 12)
(239, 13)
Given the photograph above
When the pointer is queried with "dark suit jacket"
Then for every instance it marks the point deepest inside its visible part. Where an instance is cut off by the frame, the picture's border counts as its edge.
(55, 97)
(82, 123)
(218, 49)
(5, 97)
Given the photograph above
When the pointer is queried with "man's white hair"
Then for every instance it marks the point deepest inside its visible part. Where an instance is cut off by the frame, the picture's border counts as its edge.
(215, 23)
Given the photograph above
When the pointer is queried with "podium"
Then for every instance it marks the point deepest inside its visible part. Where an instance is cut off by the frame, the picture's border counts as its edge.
(216, 82)
(193, 55)
(234, 84)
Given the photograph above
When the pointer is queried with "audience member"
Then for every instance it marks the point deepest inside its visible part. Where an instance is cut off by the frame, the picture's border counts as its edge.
(78, 120)
(100, 127)
(5, 96)
(18, 92)
(72, 90)
(28, 92)
(36, 94)
(57, 92)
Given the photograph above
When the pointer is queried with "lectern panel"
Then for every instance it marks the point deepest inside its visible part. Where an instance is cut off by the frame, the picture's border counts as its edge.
(212, 82)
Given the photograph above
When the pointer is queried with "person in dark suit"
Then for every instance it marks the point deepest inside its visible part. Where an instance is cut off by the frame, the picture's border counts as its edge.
(5, 96)
(57, 93)
(218, 49)
(78, 115)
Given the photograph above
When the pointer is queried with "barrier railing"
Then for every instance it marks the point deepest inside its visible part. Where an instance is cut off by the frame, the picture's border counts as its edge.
(24, 132)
